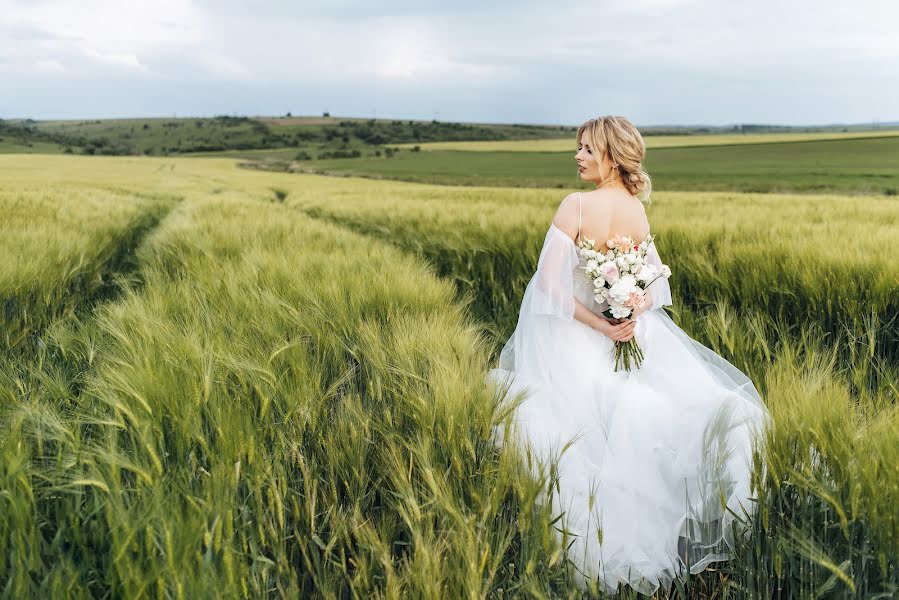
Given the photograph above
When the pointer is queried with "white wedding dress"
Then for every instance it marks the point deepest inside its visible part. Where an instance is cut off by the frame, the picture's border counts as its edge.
(655, 454)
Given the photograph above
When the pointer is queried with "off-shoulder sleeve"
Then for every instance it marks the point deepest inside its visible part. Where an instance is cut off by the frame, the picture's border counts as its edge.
(659, 289)
(551, 290)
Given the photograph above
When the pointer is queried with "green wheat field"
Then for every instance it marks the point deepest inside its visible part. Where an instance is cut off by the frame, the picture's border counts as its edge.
(239, 383)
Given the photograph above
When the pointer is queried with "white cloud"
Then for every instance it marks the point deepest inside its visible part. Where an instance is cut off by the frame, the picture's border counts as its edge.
(113, 58)
(114, 26)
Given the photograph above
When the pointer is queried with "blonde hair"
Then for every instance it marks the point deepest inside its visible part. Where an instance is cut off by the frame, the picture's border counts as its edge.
(619, 138)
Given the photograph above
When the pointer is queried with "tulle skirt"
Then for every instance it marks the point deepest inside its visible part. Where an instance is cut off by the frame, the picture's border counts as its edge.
(650, 462)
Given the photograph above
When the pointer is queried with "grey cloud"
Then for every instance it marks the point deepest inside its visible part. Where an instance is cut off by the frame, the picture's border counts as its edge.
(365, 9)
(25, 31)
(658, 61)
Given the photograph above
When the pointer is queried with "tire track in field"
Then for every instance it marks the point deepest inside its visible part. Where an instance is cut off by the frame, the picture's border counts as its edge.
(122, 267)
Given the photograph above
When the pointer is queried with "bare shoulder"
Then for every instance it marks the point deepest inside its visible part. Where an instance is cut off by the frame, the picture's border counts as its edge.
(619, 200)
(567, 215)
(625, 214)
(609, 195)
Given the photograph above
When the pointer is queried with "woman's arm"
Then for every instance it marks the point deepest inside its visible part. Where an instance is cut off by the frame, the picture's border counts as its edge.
(618, 330)
(587, 316)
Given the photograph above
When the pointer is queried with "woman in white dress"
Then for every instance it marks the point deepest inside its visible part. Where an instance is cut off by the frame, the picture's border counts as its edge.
(653, 464)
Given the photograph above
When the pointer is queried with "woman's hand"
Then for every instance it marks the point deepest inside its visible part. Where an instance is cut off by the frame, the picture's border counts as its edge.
(620, 331)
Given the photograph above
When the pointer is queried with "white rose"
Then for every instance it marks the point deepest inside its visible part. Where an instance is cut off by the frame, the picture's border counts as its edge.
(629, 280)
(620, 292)
(646, 273)
(620, 311)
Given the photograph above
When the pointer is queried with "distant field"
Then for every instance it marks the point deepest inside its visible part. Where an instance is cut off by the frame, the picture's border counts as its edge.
(652, 141)
(855, 166)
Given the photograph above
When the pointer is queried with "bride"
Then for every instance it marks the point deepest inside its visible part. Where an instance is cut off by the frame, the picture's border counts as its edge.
(653, 465)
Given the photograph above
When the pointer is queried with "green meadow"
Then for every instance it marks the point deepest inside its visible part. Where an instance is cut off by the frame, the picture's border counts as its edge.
(653, 140)
(850, 165)
(231, 382)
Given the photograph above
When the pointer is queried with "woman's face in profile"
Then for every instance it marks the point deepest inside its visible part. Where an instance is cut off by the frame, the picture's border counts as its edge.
(587, 160)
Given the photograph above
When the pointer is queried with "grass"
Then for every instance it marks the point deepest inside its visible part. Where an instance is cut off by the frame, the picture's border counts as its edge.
(249, 425)
(282, 406)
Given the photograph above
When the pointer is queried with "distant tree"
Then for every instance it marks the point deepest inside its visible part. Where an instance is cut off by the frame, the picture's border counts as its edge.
(288, 115)
(376, 139)
(340, 154)
(326, 114)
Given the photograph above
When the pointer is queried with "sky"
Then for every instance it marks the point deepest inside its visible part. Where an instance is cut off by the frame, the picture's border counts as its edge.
(657, 62)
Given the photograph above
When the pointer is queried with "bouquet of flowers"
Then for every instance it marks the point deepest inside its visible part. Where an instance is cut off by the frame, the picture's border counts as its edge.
(620, 275)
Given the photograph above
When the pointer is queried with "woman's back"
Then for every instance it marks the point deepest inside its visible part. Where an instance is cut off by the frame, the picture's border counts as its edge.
(606, 213)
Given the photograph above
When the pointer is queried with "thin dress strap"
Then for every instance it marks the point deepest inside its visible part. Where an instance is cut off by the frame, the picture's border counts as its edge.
(580, 205)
